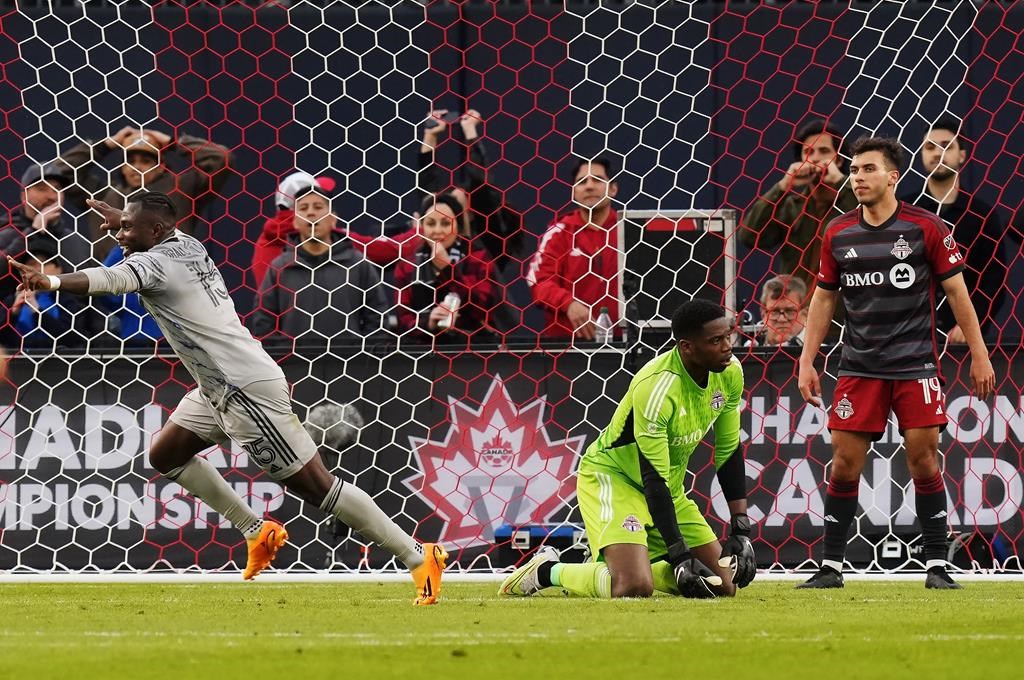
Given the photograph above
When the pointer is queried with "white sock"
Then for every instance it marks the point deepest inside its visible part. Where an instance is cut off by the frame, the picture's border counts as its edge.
(203, 481)
(838, 566)
(935, 563)
(354, 507)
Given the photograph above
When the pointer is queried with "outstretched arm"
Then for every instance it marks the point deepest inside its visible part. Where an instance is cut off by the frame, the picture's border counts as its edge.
(92, 281)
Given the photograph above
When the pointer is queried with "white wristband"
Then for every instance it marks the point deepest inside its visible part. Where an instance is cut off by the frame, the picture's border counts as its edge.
(54, 281)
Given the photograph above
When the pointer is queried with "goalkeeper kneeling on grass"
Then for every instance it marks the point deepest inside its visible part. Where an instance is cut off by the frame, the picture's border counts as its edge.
(645, 534)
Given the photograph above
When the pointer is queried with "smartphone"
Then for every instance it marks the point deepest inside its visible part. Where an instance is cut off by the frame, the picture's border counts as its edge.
(450, 117)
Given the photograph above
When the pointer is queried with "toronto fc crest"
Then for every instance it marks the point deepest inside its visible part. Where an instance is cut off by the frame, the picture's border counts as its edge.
(844, 408)
(901, 249)
(495, 465)
(717, 400)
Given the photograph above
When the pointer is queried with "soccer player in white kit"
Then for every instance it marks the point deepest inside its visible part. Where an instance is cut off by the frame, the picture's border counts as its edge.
(241, 392)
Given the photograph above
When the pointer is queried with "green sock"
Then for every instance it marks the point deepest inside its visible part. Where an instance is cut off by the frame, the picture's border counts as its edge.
(591, 579)
(664, 578)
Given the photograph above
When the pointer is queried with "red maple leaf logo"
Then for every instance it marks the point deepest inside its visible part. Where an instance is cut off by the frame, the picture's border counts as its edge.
(496, 466)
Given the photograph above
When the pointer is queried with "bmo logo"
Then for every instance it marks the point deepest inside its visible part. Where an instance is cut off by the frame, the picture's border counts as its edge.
(902, 276)
(863, 279)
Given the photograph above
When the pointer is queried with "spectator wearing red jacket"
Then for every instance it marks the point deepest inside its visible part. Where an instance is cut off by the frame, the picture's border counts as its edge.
(279, 230)
(575, 270)
(445, 264)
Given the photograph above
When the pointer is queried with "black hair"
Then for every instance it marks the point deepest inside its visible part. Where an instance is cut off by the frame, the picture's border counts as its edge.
(578, 162)
(157, 203)
(889, 147)
(444, 199)
(813, 128)
(690, 317)
(951, 124)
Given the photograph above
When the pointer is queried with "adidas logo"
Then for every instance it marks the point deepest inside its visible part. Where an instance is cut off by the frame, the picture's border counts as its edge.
(938, 410)
(830, 518)
(850, 254)
(939, 515)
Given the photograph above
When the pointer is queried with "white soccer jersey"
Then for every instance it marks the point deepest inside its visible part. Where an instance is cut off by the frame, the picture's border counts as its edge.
(185, 293)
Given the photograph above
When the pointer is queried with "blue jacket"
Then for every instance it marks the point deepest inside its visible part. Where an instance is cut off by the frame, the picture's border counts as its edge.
(137, 326)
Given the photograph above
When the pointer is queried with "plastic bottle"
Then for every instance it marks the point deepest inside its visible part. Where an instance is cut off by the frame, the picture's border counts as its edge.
(451, 303)
(604, 334)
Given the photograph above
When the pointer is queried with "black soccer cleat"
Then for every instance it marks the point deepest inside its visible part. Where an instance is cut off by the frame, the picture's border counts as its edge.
(826, 577)
(938, 579)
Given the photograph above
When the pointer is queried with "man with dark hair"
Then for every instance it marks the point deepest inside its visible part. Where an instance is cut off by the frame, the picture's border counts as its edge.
(644, 533)
(812, 190)
(575, 270)
(242, 394)
(975, 224)
(887, 259)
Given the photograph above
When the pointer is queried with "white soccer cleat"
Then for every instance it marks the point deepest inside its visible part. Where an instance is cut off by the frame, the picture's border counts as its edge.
(523, 581)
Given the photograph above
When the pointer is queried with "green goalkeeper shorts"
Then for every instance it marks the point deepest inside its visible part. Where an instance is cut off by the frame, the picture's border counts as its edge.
(615, 511)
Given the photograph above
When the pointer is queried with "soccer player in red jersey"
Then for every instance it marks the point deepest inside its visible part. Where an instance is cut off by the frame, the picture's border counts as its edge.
(886, 259)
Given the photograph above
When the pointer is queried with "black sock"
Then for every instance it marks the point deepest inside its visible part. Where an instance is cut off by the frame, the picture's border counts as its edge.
(931, 513)
(840, 506)
(544, 574)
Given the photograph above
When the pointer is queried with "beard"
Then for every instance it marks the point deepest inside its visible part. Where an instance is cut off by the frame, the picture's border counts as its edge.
(942, 173)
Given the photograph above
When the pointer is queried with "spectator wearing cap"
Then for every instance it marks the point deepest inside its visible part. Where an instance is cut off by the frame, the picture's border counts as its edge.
(41, 217)
(279, 231)
(321, 290)
(446, 264)
(46, 320)
(143, 155)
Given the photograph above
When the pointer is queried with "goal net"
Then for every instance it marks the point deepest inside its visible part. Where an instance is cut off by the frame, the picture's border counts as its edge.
(698, 107)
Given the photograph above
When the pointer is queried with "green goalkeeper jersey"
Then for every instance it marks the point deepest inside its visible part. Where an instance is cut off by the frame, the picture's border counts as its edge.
(665, 415)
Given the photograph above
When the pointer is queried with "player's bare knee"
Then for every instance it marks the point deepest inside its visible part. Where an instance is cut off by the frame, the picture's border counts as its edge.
(159, 460)
(632, 586)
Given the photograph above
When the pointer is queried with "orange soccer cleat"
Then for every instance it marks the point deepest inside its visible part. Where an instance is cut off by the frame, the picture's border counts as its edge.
(427, 576)
(264, 547)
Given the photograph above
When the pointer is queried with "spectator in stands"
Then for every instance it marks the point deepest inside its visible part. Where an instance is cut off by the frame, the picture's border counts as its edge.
(279, 231)
(575, 270)
(487, 220)
(975, 225)
(321, 290)
(446, 264)
(41, 216)
(143, 154)
(794, 211)
(136, 326)
(783, 313)
(48, 319)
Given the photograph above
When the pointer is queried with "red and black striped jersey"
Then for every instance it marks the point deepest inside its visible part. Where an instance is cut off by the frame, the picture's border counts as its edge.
(888, 276)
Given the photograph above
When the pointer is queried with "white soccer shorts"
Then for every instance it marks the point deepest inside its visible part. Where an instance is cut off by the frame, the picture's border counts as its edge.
(259, 417)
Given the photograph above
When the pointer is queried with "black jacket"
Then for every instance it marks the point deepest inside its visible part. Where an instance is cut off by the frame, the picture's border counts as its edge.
(337, 296)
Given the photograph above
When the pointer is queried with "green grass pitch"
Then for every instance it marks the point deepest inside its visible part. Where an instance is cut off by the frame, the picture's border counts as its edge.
(320, 630)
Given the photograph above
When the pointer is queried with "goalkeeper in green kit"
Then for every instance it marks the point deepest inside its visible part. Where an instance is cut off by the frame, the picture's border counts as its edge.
(645, 534)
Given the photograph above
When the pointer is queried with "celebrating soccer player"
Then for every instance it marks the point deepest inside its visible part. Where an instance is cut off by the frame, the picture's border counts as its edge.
(886, 259)
(241, 395)
(645, 534)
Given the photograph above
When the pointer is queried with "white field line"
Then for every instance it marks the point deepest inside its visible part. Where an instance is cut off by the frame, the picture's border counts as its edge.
(107, 638)
(392, 577)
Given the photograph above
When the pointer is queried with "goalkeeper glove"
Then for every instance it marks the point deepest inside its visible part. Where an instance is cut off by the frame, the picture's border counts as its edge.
(695, 580)
(738, 553)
